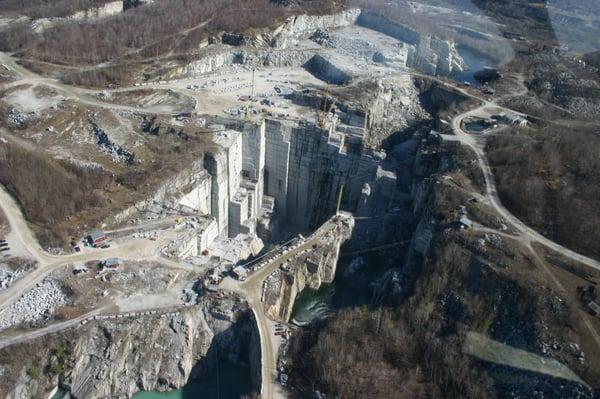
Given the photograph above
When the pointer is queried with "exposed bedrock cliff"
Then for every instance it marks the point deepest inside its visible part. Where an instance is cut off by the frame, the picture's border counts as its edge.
(189, 188)
(310, 269)
(436, 97)
(428, 53)
(117, 358)
(302, 26)
(420, 172)
(105, 10)
(278, 47)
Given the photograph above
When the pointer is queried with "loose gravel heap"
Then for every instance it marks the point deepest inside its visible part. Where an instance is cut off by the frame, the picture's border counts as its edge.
(8, 277)
(36, 304)
(16, 119)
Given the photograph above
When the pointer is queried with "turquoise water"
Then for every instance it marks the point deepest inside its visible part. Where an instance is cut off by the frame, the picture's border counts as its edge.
(311, 305)
(60, 394)
(230, 382)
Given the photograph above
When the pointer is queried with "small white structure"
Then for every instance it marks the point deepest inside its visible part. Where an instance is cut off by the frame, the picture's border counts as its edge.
(111, 264)
(240, 273)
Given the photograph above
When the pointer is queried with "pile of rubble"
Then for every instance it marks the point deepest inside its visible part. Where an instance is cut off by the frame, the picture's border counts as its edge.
(117, 152)
(38, 303)
(8, 276)
(16, 119)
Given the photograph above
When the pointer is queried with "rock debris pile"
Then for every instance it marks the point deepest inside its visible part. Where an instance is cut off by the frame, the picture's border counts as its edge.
(117, 152)
(8, 276)
(39, 302)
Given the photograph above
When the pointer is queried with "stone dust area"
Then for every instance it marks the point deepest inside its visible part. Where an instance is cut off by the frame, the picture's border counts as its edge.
(130, 282)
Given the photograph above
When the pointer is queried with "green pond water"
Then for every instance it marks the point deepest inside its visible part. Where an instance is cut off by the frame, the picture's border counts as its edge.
(352, 291)
(230, 382)
(313, 304)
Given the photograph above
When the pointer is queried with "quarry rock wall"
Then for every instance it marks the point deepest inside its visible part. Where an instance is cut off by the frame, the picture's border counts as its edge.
(277, 158)
(106, 10)
(327, 71)
(277, 48)
(189, 187)
(307, 167)
(212, 61)
(116, 359)
(310, 269)
(226, 183)
(302, 26)
(429, 54)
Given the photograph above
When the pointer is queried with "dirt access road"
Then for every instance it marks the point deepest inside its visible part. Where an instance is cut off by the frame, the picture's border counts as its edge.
(22, 237)
(527, 234)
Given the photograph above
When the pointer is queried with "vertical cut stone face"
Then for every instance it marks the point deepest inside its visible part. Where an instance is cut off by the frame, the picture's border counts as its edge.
(216, 165)
(238, 213)
(199, 198)
(327, 71)
(234, 162)
(277, 158)
(307, 270)
(253, 164)
(426, 53)
(306, 167)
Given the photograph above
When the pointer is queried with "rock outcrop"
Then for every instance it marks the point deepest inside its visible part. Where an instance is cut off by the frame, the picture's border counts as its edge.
(106, 10)
(310, 269)
(303, 26)
(286, 46)
(117, 358)
(426, 53)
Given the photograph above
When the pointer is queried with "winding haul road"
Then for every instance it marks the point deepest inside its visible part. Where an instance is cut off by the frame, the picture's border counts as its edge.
(24, 239)
(527, 234)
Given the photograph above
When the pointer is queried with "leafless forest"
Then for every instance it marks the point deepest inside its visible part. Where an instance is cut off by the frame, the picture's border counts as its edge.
(549, 178)
(161, 28)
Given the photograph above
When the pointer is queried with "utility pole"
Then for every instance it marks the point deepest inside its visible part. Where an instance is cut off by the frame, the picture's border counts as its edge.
(248, 118)
(322, 114)
(253, 82)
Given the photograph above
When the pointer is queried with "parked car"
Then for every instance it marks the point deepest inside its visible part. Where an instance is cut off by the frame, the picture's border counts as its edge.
(4, 249)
